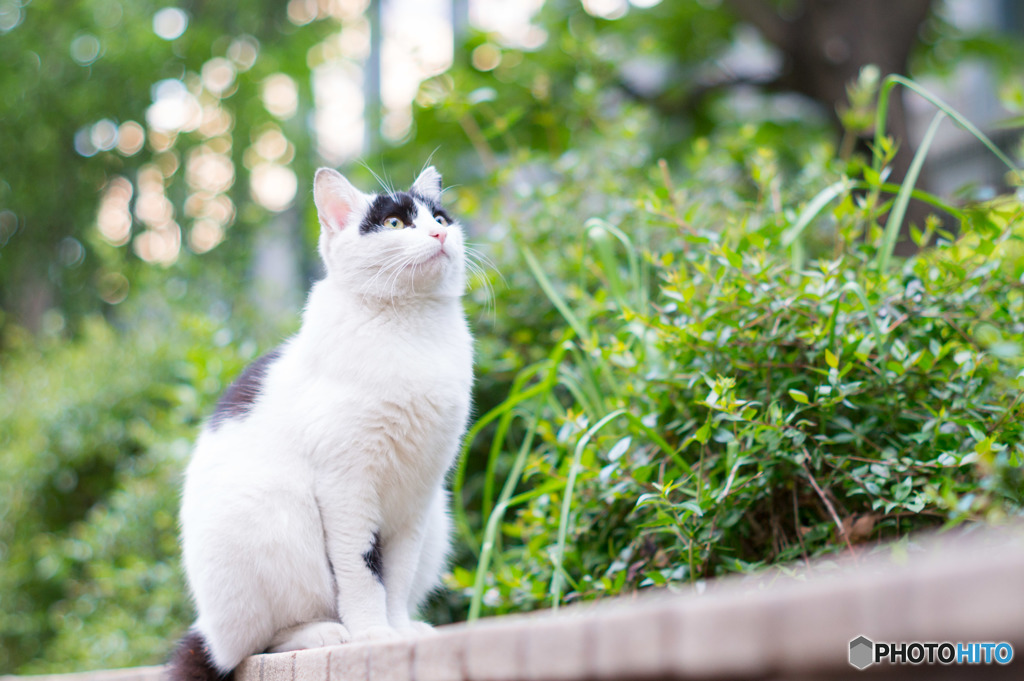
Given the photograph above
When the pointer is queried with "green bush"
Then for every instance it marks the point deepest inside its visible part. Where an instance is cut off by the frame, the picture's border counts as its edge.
(739, 373)
(94, 436)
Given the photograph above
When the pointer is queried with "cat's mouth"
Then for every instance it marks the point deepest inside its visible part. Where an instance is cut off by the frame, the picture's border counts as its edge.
(438, 254)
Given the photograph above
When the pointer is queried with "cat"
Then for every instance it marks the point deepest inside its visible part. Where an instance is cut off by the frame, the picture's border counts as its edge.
(314, 510)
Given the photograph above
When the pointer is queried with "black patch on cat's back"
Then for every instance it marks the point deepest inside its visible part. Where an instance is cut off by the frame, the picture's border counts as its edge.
(238, 399)
(373, 559)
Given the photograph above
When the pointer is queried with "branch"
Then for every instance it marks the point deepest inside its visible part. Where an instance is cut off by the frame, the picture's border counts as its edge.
(828, 505)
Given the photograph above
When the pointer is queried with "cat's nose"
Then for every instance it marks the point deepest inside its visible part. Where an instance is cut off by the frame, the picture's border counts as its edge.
(439, 233)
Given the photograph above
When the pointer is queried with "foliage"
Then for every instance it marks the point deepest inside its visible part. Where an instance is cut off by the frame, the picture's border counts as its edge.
(727, 390)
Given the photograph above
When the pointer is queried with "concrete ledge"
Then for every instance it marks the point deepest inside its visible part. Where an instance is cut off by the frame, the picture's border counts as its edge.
(965, 588)
(132, 674)
(958, 589)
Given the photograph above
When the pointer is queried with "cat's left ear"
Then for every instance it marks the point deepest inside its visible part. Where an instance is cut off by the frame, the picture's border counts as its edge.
(336, 199)
(428, 184)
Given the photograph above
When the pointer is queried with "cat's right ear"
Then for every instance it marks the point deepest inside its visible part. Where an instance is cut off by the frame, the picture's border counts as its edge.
(336, 199)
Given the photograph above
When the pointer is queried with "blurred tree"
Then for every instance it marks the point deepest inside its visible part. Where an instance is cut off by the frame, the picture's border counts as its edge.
(145, 113)
(680, 59)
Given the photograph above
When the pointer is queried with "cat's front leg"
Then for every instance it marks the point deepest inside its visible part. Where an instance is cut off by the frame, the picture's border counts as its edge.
(352, 539)
(401, 557)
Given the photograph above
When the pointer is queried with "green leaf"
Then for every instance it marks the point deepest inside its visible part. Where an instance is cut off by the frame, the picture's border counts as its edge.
(800, 396)
(977, 433)
(656, 577)
(692, 507)
(703, 433)
(620, 448)
(735, 259)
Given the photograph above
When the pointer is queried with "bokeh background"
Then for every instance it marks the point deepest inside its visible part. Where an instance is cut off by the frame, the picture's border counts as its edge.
(157, 233)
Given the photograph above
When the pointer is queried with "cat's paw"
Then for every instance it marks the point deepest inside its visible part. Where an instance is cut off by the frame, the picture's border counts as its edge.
(376, 633)
(309, 635)
(414, 628)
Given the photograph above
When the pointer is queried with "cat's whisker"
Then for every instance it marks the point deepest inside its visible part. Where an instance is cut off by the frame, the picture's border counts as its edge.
(385, 278)
(476, 254)
(392, 279)
(394, 296)
(479, 270)
(386, 268)
(430, 158)
(384, 182)
(479, 266)
(479, 274)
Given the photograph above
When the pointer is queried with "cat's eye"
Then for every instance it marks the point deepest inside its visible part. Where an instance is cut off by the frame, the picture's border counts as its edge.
(441, 220)
(393, 223)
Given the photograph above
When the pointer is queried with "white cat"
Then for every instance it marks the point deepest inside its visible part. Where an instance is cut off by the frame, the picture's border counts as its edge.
(314, 511)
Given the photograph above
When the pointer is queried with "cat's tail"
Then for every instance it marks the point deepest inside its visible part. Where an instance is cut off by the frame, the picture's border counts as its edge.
(191, 661)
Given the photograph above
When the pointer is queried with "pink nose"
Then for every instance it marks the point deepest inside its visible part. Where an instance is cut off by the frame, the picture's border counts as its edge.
(439, 233)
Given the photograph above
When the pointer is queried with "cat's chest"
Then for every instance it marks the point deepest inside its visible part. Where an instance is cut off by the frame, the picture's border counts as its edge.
(405, 370)
(389, 401)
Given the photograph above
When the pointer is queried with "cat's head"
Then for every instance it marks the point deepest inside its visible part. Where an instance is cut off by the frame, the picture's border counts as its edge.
(391, 245)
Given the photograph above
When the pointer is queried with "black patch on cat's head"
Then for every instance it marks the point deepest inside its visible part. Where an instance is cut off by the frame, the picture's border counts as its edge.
(401, 205)
(238, 399)
(373, 559)
(434, 205)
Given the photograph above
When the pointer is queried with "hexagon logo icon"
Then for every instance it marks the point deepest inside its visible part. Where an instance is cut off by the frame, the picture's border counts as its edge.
(862, 652)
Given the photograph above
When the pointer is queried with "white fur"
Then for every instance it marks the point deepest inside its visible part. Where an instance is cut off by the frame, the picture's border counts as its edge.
(356, 425)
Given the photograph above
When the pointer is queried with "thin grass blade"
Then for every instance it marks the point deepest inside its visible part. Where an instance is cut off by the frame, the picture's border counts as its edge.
(498, 514)
(892, 80)
(553, 295)
(813, 207)
(563, 523)
(899, 208)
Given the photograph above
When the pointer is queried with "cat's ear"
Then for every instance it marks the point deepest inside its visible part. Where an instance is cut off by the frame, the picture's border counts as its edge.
(428, 184)
(336, 199)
